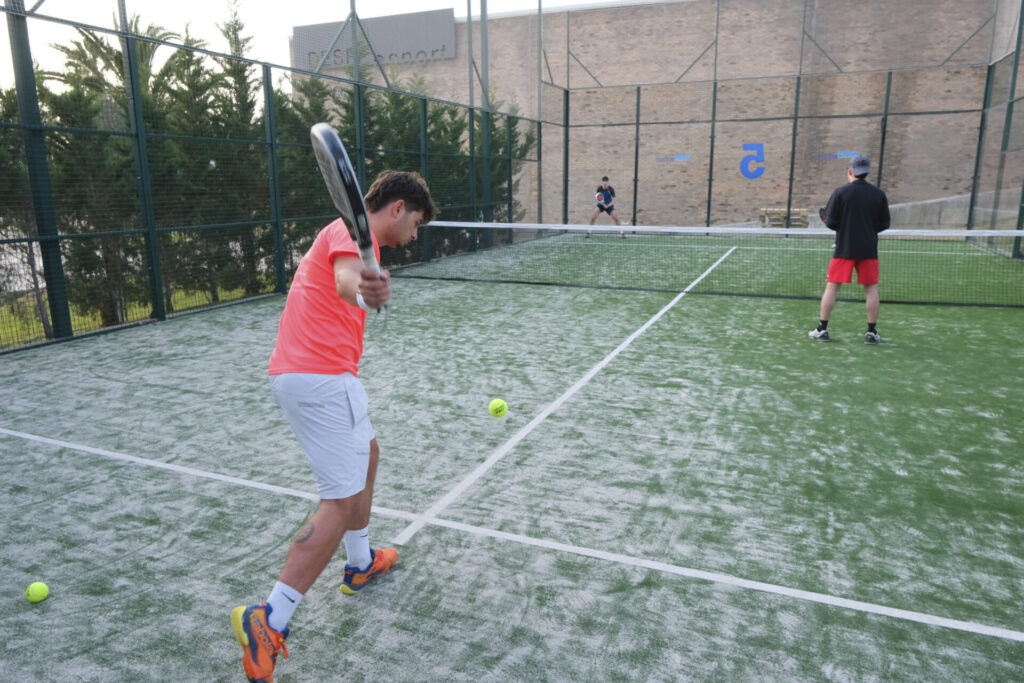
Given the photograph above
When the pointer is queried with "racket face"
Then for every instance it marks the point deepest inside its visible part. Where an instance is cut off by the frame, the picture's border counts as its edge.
(343, 187)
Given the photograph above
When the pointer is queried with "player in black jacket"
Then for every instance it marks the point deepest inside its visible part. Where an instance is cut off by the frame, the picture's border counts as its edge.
(857, 211)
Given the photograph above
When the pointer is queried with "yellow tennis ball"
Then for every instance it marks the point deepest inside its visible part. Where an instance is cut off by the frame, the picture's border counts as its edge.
(37, 592)
(498, 408)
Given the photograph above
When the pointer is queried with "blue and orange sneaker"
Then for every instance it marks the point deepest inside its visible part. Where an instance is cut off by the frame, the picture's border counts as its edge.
(355, 578)
(259, 642)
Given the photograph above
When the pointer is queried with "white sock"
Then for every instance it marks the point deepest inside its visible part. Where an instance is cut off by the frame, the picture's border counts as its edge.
(357, 545)
(283, 600)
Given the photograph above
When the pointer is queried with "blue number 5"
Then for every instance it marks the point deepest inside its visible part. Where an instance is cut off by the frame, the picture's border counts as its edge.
(757, 157)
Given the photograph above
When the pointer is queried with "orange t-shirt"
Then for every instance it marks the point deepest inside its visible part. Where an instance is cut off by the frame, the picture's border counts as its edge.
(320, 333)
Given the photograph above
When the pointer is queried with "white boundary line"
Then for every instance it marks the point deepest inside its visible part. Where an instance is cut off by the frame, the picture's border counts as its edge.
(727, 580)
(205, 474)
(713, 577)
(506, 447)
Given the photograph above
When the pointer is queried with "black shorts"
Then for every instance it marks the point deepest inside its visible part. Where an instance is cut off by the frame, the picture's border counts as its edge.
(606, 209)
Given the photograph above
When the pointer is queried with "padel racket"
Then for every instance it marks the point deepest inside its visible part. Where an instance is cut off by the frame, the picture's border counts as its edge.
(343, 187)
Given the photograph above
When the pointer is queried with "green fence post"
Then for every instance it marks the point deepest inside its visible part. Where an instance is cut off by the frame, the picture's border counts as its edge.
(425, 247)
(792, 154)
(138, 131)
(711, 149)
(636, 154)
(1005, 147)
(361, 134)
(982, 124)
(472, 173)
(885, 128)
(565, 154)
(1017, 252)
(508, 169)
(270, 127)
(486, 119)
(540, 172)
(38, 171)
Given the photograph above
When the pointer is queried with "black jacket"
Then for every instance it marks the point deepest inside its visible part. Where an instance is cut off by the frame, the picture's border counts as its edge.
(857, 211)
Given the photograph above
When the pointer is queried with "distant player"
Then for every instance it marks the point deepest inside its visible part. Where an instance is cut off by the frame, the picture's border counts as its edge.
(857, 211)
(606, 204)
(313, 377)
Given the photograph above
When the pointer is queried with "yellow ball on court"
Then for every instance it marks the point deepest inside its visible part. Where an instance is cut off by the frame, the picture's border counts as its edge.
(498, 408)
(37, 592)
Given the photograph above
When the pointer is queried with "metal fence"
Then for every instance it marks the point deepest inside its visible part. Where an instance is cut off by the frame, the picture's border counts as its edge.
(146, 180)
(146, 177)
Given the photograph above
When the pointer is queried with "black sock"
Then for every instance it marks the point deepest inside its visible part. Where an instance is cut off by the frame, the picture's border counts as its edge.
(822, 324)
(871, 327)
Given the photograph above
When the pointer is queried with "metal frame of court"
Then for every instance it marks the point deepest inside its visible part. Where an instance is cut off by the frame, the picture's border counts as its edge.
(996, 120)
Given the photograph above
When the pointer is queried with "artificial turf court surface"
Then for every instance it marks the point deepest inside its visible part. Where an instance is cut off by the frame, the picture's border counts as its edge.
(718, 440)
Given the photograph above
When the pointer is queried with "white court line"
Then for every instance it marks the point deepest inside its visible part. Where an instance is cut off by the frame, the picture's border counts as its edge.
(727, 580)
(506, 447)
(205, 474)
(714, 577)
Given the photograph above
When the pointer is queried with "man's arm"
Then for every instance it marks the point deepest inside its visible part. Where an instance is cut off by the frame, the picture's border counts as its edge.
(831, 220)
(352, 278)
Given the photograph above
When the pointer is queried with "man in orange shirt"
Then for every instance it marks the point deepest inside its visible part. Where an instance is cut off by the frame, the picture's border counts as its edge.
(314, 378)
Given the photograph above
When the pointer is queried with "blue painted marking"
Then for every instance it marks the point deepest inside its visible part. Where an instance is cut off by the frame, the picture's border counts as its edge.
(756, 158)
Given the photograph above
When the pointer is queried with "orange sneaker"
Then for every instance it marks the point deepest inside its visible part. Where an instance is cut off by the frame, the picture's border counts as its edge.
(259, 642)
(383, 560)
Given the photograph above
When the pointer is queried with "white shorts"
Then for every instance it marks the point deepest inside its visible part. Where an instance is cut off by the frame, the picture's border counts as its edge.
(328, 414)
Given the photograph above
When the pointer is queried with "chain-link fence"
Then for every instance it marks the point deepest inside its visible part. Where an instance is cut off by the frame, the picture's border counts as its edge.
(144, 180)
(148, 175)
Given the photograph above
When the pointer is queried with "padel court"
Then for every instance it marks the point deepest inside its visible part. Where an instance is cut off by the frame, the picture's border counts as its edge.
(685, 488)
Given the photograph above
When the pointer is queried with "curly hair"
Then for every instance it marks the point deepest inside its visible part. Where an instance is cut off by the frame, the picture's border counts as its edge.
(391, 186)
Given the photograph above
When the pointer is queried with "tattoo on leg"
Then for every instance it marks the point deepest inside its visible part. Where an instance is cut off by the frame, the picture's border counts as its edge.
(305, 533)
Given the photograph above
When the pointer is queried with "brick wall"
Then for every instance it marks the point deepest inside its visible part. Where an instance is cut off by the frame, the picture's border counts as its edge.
(669, 49)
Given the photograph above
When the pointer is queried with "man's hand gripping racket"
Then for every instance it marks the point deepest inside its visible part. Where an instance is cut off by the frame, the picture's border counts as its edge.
(343, 187)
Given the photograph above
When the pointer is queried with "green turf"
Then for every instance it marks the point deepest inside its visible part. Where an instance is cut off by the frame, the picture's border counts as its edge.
(912, 270)
(721, 439)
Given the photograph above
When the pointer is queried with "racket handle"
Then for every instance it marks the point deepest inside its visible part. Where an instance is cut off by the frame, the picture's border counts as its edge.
(369, 260)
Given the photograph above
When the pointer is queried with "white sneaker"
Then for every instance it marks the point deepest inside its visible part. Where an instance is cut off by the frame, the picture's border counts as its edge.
(871, 337)
(622, 234)
(820, 335)
(588, 234)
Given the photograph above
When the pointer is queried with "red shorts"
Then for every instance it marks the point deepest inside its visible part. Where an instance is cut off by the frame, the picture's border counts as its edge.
(841, 270)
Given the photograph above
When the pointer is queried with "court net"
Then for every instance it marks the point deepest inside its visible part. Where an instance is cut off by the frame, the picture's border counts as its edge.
(955, 267)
